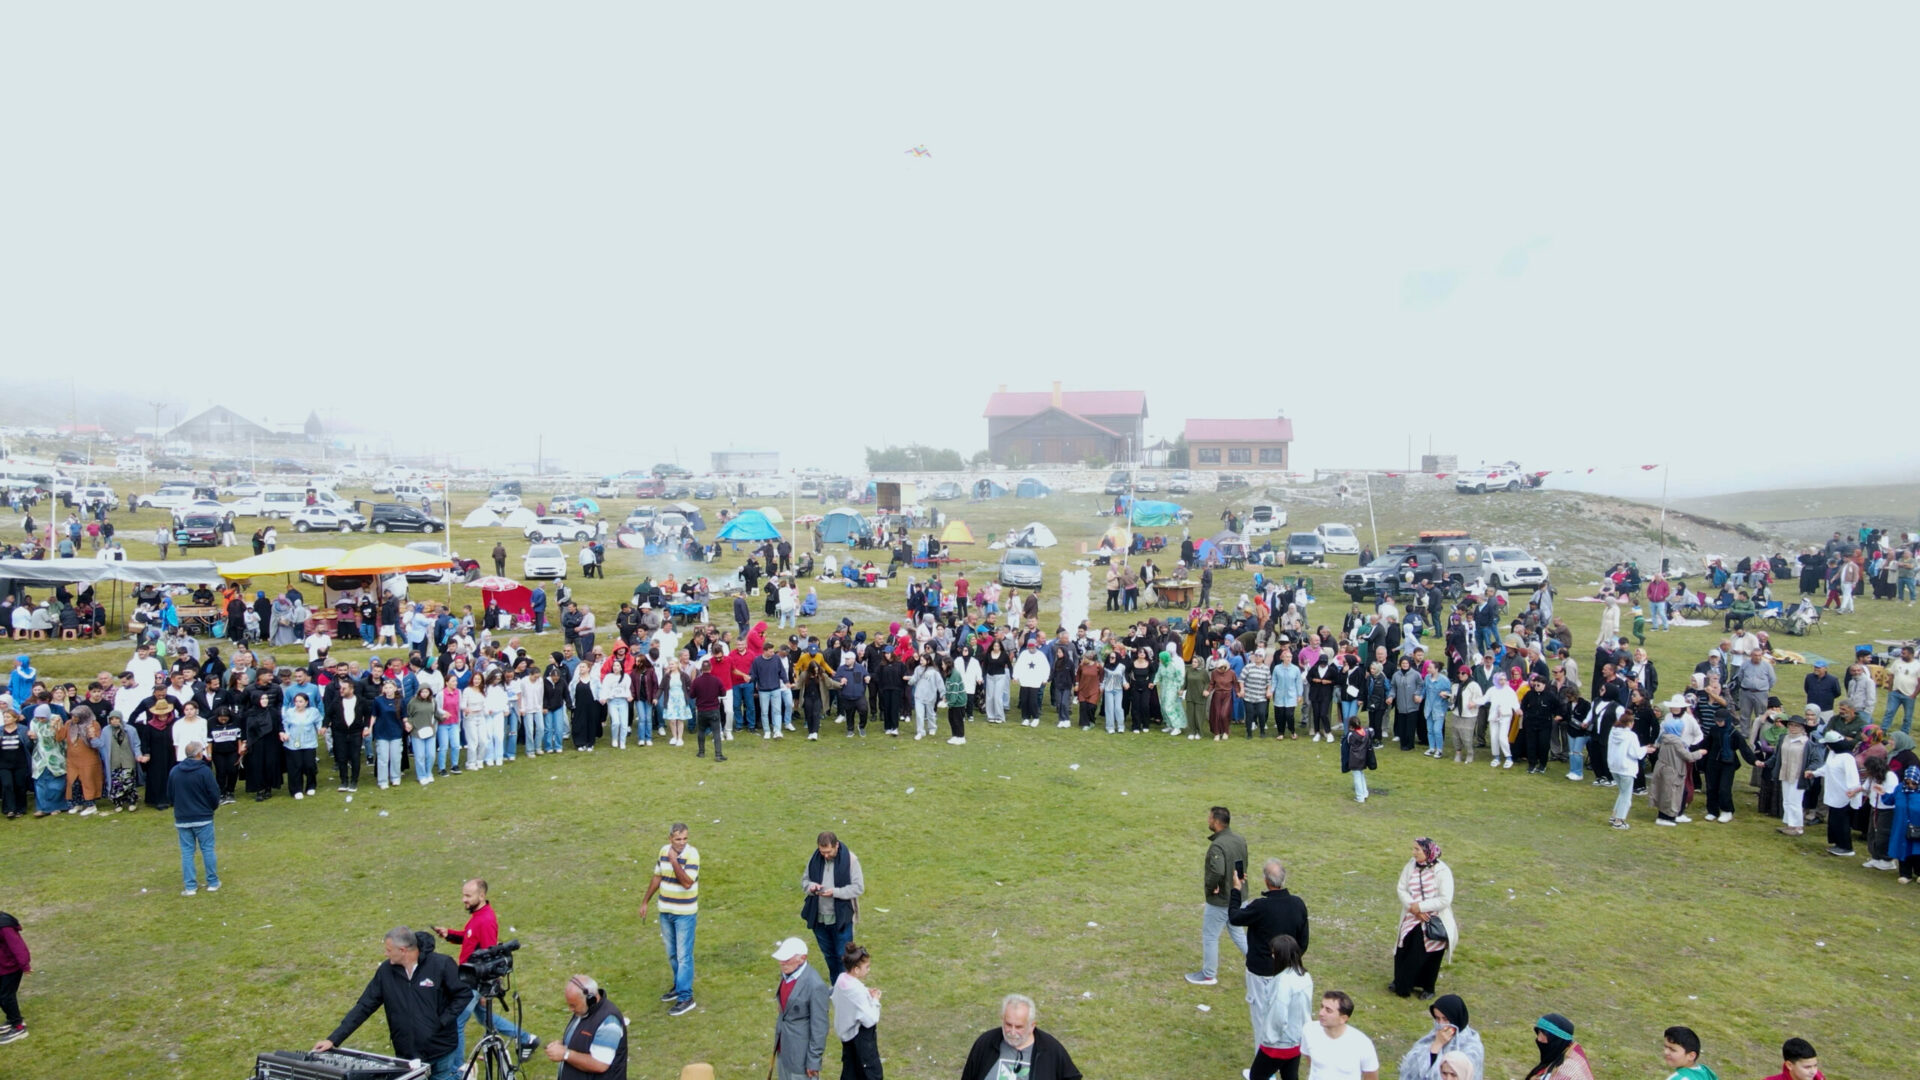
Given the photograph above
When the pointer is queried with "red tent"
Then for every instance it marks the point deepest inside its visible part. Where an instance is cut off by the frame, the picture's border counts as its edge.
(517, 602)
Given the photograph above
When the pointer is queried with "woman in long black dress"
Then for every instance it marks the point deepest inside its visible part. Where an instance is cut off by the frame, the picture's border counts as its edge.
(586, 708)
(260, 721)
(1140, 673)
(156, 740)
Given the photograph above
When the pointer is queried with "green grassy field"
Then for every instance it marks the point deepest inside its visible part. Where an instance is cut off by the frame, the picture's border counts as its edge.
(1004, 868)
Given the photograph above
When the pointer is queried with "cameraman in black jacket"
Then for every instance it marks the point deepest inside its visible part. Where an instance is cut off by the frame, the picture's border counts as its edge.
(424, 996)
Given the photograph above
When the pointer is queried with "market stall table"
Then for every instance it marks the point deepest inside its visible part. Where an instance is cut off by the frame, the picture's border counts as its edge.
(1174, 593)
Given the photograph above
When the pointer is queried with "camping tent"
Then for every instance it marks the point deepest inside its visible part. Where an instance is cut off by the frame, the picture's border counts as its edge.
(692, 514)
(985, 488)
(956, 532)
(749, 525)
(583, 502)
(1034, 535)
(1224, 545)
(773, 516)
(509, 596)
(843, 526)
(1117, 537)
(1150, 513)
(482, 518)
(1032, 488)
(519, 518)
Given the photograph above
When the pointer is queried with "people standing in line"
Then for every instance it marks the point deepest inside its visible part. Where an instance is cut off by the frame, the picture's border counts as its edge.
(676, 877)
(1840, 788)
(1669, 787)
(1031, 672)
(423, 996)
(1332, 1048)
(300, 735)
(856, 1016)
(1226, 856)
(958, 698)
(1018, 1048)
(1427, 932)
(1624, 754)
(1451, 1035)
(196, 797)
(833, 884)
(800, 1032)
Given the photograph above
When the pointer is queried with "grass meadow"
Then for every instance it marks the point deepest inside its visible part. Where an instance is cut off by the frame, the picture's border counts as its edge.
(1063, 864)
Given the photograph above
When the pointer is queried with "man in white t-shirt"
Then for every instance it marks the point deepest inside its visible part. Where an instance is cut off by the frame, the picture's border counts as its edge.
(1334, 1051)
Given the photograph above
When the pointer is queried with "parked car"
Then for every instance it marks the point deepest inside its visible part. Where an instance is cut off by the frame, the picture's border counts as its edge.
(1263, 519)
(325, 519)
(944, 491)
(167, 464)
(506, 487)
(650, 488)
(669, 469)
(399, 517)
(606, 489)
(68, 457)
(641, 516)
(809, 489)
(245, 489)
(1509, 566)
(1305, 547)
(1506, 476)
(1337, 538)
(1118, 483)
(168, 497)
(839, 488)
(676, 489)
(1446, 558)
(558, 528)
(706, 489)
(462, 569)
(197, 530)
(544, 561)
(503, 502)
(1179, 482)
(88, 496)
(1021, 567)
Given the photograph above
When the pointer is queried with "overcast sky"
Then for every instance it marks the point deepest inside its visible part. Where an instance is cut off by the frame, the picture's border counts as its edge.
(1576, 236)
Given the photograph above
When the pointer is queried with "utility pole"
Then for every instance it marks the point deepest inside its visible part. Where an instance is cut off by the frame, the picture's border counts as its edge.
(1665, 473)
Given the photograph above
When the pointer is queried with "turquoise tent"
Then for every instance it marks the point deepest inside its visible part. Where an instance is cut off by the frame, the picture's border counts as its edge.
(1153, 514)
(843, 526)
(749, 525)
(1032, 488)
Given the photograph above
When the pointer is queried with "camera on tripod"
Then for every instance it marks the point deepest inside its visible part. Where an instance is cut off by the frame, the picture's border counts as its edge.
(487, 969)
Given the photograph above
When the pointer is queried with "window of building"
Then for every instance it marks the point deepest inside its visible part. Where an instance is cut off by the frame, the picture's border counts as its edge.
(1240, 455)
(1209, 455)
(1273, 455)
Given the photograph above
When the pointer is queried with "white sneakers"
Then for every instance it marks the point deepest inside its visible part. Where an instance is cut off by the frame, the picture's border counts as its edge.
(1064, 723)
(918, 735)
(957, 740)
(813, 736)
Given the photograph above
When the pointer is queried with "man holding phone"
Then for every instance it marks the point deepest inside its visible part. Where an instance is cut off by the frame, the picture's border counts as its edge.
(1226, 859)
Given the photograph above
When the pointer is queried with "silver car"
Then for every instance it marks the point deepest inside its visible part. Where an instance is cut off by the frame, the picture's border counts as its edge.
(1020, 567)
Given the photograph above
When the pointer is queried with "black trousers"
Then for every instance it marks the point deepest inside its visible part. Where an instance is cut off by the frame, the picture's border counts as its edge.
(860, 1056)
(890, 709)
(1839, 828)
(347, 753)
(303, 770)
(1406, 727)
(10, 997)
(226, 770)
(1086, 713)
(1266, 1068)
(1320, 707)
(1139, 710)
(1539, 742)
(957, 720)
(1113, 599)
(1283, 720)
(14, 786)
(1414, 968)
(708, 721)
(1030, 703)
(810, 708)
(1254, 713)
(1720, 786)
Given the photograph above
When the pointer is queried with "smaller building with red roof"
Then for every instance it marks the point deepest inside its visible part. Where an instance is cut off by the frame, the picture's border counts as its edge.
(1239, 444)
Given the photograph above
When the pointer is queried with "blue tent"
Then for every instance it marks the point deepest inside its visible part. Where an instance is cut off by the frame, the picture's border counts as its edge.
(1152, 514)
(985, 488)
(1032, 488)
(843, 526)
(749, 525)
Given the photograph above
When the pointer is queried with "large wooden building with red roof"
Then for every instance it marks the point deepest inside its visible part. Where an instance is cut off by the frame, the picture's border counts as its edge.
(1061, 427)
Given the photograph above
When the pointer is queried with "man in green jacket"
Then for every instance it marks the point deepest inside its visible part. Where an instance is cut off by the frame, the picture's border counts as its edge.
(1226, 855)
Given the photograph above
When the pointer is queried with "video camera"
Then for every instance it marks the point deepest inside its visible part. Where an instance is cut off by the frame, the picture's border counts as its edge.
(487, 969)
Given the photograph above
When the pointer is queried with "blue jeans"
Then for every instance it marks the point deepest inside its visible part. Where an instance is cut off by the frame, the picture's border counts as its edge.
(769, 701)
(1577, 756)
(446, 1068)
(386, 761)
(423, 758)
(643, 722)
(783, 708)
(201, 837)
(1436, 725)
(1113, 705)
(1659, 613)
(1214, 920)
(447, 748)
(501, 1024)
(1897, 701)
(1360, 784)
(49, 793)
(533, 729)
(617, 723)
(366, 634)
(1906, 590)
(676, 933)
(556, 731)
(508, 733)
(743, 716)
(833, 939)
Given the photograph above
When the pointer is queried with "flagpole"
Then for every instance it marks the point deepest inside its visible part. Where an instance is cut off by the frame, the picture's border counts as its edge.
(1371, 527)
(1665, 474)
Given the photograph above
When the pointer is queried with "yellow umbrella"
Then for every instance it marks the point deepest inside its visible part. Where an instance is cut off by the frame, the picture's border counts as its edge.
(385, 559)
(281, 561)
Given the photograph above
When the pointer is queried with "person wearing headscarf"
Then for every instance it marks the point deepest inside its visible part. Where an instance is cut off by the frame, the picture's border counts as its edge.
(1222, 685)
(1456, 1066)
(1426, 894)
(1672, 769)
(1451, 1036)
(1902, 848)
(1194, 704)
(1560, 1057)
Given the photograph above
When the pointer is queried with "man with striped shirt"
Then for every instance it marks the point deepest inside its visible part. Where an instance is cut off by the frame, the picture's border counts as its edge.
(676, 877)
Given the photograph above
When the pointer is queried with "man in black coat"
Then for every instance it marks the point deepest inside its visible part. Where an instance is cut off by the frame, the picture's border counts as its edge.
(423, 995)
(1024, 1049)
(1271, 914)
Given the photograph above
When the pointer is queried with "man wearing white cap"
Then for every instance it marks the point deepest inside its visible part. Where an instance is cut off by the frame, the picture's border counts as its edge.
(800, 1035)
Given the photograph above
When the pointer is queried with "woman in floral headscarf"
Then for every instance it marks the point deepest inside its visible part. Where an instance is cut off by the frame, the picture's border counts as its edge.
(1426, 895)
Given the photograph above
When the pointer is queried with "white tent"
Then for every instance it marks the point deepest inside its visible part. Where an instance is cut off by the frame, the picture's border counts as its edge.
(774, 517)
(1036, 535)
(519, 519)
(481, 518)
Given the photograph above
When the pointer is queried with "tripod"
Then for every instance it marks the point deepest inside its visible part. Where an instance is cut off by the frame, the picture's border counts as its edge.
(493, 1059)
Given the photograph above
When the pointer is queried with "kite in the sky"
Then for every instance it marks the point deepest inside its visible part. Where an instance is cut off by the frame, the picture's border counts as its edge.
(920, 151)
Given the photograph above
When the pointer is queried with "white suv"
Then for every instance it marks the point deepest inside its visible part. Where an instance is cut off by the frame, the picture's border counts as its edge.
(312, 518)
(1505, 567)
(169, 497)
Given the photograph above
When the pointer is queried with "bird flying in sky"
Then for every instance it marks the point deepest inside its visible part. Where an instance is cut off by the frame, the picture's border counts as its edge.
(920, 151)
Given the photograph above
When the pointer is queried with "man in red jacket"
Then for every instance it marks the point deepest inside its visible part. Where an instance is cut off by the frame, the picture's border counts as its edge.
(481, 932)
(15, 962)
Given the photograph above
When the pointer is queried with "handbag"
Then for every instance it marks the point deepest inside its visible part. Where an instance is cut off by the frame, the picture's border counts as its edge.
(1432, 926)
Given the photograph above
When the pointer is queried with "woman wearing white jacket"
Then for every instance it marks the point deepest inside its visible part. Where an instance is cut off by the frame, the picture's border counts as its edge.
(473, 723)
(615, 691)
(1281, 1020)
(856, 1017)
(497, 705)
(1426, 894)
(1624, 754)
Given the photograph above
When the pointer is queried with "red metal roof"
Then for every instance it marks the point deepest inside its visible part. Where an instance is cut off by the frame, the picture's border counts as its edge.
(1270, 430)
(1083, 403)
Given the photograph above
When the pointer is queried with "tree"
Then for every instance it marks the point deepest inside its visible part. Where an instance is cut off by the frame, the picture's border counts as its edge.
(1177, 457)
(980, 459)
(913, 458)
